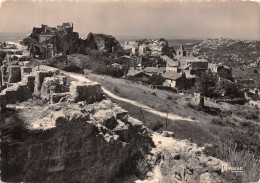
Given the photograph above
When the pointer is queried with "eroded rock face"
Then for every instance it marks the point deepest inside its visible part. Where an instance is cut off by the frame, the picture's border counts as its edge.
(70, 143)
(103, 42)
(47, 42)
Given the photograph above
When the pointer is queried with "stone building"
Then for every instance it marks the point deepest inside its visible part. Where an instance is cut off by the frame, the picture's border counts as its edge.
(194, 65)
(175, 80)
(182, 52)
(133, 45)
(171, 65)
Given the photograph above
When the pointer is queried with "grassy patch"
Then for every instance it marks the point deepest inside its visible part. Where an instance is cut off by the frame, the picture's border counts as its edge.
(194, 131)
(215, 130)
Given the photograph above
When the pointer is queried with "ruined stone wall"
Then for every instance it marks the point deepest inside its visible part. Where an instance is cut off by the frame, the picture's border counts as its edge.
(39, 78)
(90, 92)
(76, 137)
(80, 148)
(15, 74)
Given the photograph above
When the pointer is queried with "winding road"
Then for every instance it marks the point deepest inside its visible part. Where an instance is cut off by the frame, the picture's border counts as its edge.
(81, 77)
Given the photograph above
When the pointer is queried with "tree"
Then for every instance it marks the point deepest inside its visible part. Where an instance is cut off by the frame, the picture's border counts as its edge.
(206, 85)
(156, 79)
(225, 73)
(231, 89)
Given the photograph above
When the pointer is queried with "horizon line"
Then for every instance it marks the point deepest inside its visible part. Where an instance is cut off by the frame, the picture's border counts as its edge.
(129, 37)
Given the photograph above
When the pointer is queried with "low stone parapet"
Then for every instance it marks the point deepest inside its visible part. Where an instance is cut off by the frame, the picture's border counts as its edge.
(17, 93)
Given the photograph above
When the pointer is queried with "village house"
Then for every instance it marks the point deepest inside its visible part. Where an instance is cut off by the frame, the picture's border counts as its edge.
(142, 50)
(174, 80)
(126, 61)
(194, 65)
(154, 70)
(133, 45)
(138, 74)
(190, 79)
(171, 66)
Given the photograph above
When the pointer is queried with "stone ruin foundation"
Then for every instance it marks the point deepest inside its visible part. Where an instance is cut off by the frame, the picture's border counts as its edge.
(77, 137)
(46, 83)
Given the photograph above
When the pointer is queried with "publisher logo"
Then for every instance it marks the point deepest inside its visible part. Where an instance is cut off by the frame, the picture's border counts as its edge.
(227, 167)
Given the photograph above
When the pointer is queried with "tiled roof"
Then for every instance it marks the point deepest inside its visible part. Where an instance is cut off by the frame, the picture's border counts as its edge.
(192, 59)
(133, 72)
(150, 69)
(172, 75)
(170, 61)
(160, 69)
(183, 67)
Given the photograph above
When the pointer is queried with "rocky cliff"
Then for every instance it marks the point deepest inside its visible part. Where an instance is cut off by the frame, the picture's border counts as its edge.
(103, 42)
(46, 42)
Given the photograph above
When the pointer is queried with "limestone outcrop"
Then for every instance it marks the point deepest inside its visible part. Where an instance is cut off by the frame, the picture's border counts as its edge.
(103, 42)
(46, 42)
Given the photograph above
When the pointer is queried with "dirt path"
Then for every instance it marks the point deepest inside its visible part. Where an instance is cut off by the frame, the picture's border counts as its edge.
(81, 77)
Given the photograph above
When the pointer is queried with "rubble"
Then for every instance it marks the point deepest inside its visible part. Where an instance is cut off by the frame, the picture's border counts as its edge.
(57, 97)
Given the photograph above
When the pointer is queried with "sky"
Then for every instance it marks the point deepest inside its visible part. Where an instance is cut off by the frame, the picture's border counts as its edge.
(137, 19)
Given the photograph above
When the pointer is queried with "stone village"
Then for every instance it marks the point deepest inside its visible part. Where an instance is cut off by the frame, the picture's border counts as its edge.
(80, 135)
